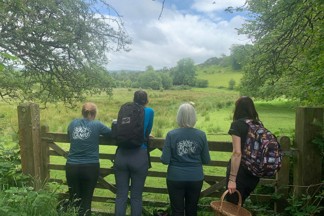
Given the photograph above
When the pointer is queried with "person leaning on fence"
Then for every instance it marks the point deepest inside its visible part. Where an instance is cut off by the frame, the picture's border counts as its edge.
(185, 151)
(82, 166)
(238, 177)
(131, 166)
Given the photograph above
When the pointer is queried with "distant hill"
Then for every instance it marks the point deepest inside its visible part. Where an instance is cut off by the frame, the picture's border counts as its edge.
(218, 72)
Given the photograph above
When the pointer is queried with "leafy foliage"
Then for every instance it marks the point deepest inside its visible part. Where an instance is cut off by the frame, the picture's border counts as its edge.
(287, 57)
(184, 73)
(56, 48)
(10, 168)
(150, 79)
(16, 197)
(307, 204)
(10, 164)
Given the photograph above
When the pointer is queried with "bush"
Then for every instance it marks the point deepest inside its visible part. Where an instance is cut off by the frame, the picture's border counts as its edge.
(231, 84)
(181, 87)
(16, 198)
(10, 167)
(201, 83)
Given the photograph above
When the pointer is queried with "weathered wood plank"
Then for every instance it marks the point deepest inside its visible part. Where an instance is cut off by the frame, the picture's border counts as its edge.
(307, 170)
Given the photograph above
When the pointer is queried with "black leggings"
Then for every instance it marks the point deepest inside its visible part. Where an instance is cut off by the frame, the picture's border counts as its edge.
(82, 180)
(245, 184)
(184, 197)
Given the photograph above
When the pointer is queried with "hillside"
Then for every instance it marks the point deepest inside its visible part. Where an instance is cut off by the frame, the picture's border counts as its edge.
(218, 76)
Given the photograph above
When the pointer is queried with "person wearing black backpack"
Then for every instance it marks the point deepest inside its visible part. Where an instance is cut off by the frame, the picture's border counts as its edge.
(237, 176)
(132, 161)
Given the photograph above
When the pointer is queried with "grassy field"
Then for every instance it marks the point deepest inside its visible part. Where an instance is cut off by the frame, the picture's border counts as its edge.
(214, 107)
(218, 77)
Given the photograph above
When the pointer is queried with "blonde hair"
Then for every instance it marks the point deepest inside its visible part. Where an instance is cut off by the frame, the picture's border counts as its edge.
(89, 110)
(186, 116)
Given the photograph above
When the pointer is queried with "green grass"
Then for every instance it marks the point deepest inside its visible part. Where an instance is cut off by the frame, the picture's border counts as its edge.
(214, 108)
(218, 77)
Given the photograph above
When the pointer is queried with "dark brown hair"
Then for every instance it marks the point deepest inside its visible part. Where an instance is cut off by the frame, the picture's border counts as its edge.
(244, 108)
(140, 97)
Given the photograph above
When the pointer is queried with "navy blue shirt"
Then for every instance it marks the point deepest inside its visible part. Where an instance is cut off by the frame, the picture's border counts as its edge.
(185, 150)
(84, 137)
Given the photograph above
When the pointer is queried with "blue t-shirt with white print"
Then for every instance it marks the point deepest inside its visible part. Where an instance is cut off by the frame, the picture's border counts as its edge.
(185, 151)
(84, 138)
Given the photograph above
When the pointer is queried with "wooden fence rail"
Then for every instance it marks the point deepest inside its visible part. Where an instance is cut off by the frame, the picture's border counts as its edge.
(39, 147)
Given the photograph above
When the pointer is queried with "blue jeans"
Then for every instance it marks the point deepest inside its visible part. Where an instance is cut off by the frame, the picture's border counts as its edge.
(131, 168)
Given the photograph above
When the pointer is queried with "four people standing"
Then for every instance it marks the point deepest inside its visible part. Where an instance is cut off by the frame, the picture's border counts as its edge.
(185, 151)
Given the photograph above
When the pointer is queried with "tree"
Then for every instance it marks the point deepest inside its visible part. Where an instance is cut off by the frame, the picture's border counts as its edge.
(239, 55)
(59, 46)
(166, 80)
(184, 73)
(288, 51)
(150, 79)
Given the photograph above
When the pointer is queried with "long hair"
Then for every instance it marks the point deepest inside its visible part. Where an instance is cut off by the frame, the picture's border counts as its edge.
(244, 108)
(140, 97)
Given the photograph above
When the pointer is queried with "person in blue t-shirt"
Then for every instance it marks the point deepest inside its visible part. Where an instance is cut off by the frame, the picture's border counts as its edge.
(131, 166)
(82, 166)
(185, 151)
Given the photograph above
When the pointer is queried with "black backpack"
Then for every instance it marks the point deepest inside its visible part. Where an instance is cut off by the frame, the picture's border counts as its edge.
(129, 128)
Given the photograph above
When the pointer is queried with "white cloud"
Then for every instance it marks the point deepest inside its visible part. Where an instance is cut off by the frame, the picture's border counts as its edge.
(163, 42)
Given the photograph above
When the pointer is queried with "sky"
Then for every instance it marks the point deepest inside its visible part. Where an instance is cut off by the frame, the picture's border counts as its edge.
(196, 29)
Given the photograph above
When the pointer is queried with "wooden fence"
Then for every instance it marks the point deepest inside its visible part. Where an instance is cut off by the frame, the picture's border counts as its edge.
(39, 146)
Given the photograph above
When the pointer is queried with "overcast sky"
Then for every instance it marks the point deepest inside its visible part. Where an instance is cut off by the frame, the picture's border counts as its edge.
(196, 29)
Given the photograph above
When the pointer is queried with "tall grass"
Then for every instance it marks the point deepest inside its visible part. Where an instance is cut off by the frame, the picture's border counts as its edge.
(214, 109)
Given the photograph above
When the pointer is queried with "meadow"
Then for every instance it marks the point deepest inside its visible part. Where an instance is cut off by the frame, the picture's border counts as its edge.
(214, 111)
(214, 106)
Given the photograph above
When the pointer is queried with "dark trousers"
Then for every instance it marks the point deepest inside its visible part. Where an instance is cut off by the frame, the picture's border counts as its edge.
(245, 184)
(184, 197)
(82, 179)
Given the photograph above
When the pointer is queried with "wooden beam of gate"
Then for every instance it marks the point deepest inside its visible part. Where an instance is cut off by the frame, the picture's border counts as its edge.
(213, 188)
(58, 149)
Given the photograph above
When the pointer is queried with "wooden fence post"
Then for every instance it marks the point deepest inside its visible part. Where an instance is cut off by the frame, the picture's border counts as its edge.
(29, 141)
(307, 169)
(45, 158)
(283, 175)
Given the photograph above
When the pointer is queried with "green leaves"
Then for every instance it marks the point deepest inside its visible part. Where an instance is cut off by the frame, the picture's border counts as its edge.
(287, 55)
(58, 48)
(184, 73)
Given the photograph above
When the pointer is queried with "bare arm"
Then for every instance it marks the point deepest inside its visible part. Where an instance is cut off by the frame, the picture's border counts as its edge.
(235, 163)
